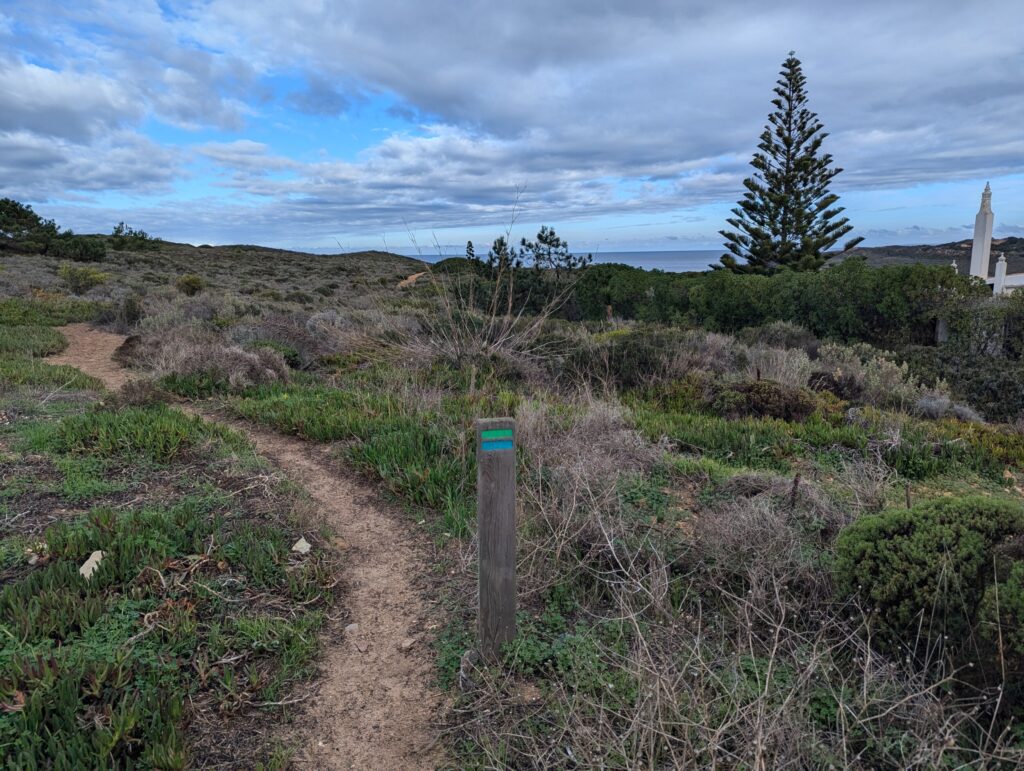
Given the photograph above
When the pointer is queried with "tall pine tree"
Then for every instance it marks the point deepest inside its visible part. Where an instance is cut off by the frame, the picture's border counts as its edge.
(787, 217)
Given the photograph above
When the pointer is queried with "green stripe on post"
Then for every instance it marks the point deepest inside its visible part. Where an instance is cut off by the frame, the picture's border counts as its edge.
(496, 433)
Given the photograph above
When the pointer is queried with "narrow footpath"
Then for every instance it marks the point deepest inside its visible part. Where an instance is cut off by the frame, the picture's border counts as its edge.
(375, 706)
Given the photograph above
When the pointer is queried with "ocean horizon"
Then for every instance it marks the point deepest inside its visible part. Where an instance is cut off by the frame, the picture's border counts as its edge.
(677, 261)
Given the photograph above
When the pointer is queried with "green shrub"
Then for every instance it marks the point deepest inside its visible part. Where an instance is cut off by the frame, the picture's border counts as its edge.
(125, 237)
(925, 570)
(20, 371)
(157, 433)
(1001, 615)
(81, 278)
(190, 284)
(78, 248)
(31, 341)
(45, 310)
(764, 399)
(291, 356)
(849, 301)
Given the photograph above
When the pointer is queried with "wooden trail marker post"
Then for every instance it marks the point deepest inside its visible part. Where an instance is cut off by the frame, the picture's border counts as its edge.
(496, 532)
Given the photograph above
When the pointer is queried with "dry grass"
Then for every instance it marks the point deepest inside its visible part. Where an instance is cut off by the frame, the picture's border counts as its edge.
(718, 646)
(193, 351)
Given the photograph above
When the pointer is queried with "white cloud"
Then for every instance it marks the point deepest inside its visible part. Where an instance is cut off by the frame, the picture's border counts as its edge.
(67, 104)
(618, 106)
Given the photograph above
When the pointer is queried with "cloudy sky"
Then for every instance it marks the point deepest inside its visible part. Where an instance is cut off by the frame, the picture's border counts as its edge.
(627, 124)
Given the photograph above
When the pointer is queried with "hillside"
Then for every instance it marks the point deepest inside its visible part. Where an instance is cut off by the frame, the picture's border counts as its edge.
(941, 254)
(277, 276)
(273, 458)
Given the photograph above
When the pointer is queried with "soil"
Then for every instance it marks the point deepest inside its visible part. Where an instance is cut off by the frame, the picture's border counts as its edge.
(375, 707)
(411, 280)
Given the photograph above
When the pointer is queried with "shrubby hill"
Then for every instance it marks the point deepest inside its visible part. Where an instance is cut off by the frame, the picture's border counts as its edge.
(764, 521)
(940, 254)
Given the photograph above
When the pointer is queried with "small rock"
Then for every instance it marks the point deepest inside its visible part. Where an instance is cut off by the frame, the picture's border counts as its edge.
(352, 629)
(407, 643)
(33, 559)
(301, 546)
(90, 565)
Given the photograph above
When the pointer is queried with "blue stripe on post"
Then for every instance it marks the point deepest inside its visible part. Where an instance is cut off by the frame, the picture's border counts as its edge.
(500, 444)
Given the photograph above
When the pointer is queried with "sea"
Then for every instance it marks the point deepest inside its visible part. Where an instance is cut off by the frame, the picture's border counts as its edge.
(682, 261)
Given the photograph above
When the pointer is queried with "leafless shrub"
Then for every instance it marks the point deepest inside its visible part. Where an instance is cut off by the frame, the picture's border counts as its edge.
(166, 309)
(770, 527)
(140, 392)
(879, 380)
(577, 457)
(196, 351)
(933, 405)
(780, 334)
(937, 405)
(747, 677)
(702, 351)
(790, 366)
(291, 331)
(966, 413)
(592, 437)
(865, 480)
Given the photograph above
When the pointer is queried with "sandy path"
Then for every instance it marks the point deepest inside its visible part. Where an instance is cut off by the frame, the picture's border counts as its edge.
(410, 280)
(91, 351)
(374, 708)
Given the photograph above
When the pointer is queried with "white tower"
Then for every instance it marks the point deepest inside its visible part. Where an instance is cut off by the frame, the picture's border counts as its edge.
(982, 235)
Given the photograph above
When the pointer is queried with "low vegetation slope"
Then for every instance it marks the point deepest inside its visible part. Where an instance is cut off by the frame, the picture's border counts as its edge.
(197, 614)
(744, 541)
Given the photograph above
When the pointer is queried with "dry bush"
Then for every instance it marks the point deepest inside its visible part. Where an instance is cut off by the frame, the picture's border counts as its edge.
(165, 310)
(590, 436)
(374, 333)
(745, 672)
(140, 392)
(865, 479)
(936, 404)
(194, 351)
(703, 351)
(289, 331)
(577, 457)
(780, 334)
(790, 366)
(768, 525)
(727, 649)
(878, 380)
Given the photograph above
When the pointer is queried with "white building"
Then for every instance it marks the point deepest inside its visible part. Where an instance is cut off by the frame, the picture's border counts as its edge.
(981, 252)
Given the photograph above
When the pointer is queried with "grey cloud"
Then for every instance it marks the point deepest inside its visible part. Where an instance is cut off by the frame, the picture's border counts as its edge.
(69, 105)
(246, 156)
(319, 98)
(34, 168)
(616, 107)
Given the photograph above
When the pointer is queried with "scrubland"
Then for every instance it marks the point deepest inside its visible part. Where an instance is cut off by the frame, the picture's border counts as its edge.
(741, 545)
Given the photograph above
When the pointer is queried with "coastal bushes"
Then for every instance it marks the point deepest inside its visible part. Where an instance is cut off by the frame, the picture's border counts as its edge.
(849, 302)
(78, 248)
(81, 278)
(190, 284)
(924, 573)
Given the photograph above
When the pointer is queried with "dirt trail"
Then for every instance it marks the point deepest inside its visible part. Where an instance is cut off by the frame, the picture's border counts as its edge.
(374, 708)
(92, 351)
(410, 280)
